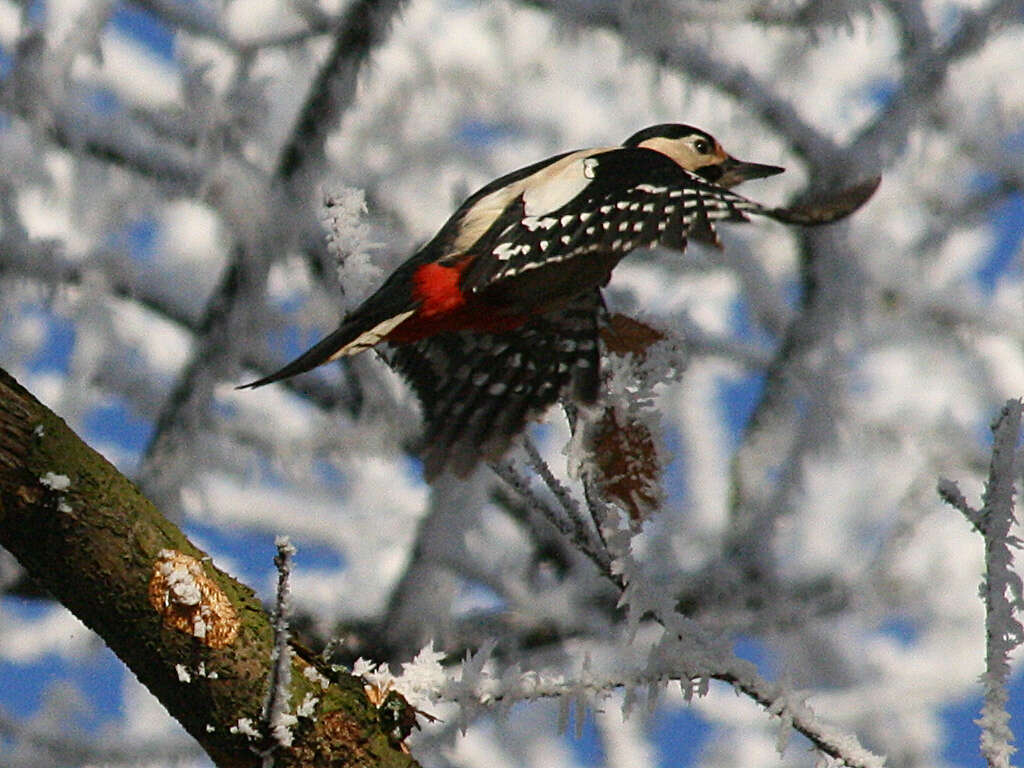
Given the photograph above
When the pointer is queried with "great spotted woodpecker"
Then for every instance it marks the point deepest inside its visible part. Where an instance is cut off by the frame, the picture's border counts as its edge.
(498, 315)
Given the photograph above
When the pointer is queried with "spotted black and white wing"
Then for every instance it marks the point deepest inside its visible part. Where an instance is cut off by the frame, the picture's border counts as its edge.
(627, 198)
(478, 390)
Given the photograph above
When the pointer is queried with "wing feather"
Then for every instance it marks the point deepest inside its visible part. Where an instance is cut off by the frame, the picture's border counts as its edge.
(479, 390)
(635, 198)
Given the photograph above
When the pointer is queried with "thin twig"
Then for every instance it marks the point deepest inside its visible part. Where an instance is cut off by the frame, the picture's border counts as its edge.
(619, 567)
(276, 720)
(1001, 589)
(582, 527)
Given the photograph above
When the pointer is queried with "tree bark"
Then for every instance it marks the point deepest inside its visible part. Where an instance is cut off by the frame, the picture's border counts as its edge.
(197, 639)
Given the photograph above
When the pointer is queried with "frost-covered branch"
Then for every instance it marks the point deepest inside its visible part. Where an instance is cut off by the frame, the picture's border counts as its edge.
(700, 342)
(119, 140)
(476, 686)
(197, 18)
(568, 522)
(277, 720)
(70, 750)
(585, 534)
(662, 44)
(686, 652)
(915, 32)
(1002, 590)
(924, 75)
(362, 28)
(283, 38)
(130, 162)
(243, 282)
(797, 15)
(687, 646)
(121, 279)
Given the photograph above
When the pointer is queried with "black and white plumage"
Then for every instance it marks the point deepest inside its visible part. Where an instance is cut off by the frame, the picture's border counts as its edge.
(497, 316)
(478, 389)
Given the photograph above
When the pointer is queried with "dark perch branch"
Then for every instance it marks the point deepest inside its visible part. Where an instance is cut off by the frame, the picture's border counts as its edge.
(88, 536)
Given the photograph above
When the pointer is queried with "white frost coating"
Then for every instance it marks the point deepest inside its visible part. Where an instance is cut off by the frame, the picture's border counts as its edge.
(281, 728)
(422, 678)
(276, 718)
(245, 727)
(56, 482)
(182, 588)
(364, 668)
(896, 390)
(348, 241)
(1002, 587)
(312, 674)
(308, 706)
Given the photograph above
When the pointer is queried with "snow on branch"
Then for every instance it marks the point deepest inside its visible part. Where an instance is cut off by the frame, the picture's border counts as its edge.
(926, 71)
(348, 241)
(686, 652)
(62, 748)
(1001, 589)
(276, 721)
(243, 280)
(198, 17)
(700, 62)
(565, 516)
(363, 28)
(479, 685)
(121, 140)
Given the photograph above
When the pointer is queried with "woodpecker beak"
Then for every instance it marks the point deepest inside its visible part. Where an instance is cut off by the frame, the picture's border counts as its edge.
(732, 171)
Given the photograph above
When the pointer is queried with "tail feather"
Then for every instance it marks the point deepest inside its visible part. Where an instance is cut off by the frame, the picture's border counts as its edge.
(322, 352)
(354, 335)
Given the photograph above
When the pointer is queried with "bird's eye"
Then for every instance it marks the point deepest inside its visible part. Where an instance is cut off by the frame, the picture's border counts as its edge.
(702, 146)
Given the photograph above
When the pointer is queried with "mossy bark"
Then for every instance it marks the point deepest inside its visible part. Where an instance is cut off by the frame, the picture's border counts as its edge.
(94, 541)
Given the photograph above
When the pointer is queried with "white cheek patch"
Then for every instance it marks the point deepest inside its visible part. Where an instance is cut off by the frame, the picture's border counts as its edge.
(372, 337)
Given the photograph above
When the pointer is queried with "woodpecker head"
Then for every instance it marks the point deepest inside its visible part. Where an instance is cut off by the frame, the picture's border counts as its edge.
(700, 153)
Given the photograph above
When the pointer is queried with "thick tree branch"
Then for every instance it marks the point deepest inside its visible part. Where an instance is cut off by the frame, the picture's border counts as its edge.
(360, 31)
(197, 639)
